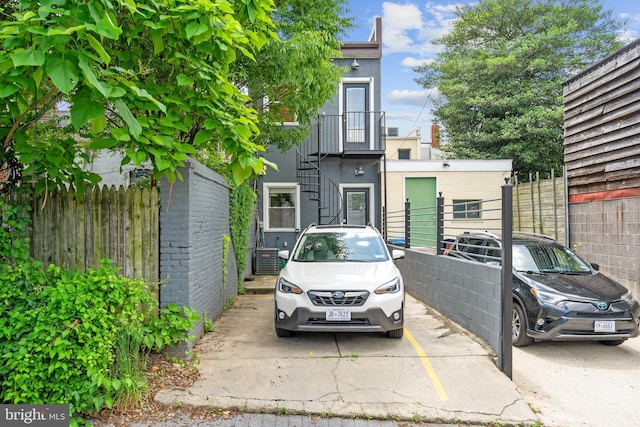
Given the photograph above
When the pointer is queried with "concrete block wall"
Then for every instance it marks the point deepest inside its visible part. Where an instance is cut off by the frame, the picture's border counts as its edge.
(467, 293)
(607, 232)
(194, 218)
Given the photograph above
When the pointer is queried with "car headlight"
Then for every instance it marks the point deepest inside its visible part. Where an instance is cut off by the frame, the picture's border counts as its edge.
(629, 298)
(389, 288)
(547, 297)
(288, 287)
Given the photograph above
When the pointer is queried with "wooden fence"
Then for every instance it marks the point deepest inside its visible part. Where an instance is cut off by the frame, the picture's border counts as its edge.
(539, 206)
(77, 231)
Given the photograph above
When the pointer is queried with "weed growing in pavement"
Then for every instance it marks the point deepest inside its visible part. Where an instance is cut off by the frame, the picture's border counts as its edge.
(283, 411)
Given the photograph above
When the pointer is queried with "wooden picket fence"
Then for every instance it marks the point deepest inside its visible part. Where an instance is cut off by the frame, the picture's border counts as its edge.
(76, 231)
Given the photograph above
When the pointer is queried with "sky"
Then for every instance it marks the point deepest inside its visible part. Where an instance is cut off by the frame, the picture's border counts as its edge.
(408, 27)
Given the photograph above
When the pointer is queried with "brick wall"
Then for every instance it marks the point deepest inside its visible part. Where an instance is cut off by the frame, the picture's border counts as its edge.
(194, 217)
(607, 232)
(465, 292)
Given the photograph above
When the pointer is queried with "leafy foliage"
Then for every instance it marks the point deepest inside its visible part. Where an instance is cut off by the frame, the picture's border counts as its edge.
(149, 78)
(501, 73)
(294, 75)
(60, 330)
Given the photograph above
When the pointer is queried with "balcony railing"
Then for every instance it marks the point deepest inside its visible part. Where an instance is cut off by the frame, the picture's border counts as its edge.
(351, 132)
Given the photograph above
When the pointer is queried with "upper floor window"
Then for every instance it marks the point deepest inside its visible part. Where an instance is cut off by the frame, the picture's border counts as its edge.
(467, 209)
(404, 154)
(281, 206)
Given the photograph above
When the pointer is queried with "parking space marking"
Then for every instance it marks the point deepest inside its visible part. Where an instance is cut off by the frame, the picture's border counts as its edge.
(427, 366)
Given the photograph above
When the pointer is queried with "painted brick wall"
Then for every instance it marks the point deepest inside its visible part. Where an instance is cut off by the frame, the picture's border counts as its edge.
(194, 218)
(607, 232)
(467, 293)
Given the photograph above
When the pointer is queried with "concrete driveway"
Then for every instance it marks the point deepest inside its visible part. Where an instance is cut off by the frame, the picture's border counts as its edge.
(580, 383)
(437, 373)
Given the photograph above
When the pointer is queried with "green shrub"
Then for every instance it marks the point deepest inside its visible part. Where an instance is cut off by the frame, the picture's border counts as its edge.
(75, 338)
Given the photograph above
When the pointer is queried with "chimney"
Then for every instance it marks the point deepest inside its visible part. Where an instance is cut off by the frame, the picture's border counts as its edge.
(435, 136)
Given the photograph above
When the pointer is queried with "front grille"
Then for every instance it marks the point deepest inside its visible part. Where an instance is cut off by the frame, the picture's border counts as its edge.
(338, 298)
(320, 321)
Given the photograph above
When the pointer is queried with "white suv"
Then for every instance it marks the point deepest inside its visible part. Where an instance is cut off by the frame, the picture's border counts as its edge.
(340, 278)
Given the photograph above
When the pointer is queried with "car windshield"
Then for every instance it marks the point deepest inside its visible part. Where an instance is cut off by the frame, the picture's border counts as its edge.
(547, 258)
(340, 246)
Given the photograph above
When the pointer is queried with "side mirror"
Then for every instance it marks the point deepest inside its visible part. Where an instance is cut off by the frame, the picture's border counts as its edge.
(284, 254)
(397, 254)
(595, 266)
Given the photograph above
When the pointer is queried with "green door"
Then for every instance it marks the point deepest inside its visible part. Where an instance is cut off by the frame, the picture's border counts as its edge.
(421, 192)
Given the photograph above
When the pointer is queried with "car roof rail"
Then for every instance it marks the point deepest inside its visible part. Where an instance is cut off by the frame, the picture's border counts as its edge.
(479, 233)
(532, 234)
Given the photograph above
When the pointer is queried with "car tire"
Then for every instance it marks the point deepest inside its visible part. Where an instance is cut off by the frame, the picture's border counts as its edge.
(283, 333)
(613, 342)
(396, 333)
(519, 327)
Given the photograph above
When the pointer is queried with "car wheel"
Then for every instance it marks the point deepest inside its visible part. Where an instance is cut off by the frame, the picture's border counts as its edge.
(283, 333)
(613, 342)
(396, 333)
(519, 327)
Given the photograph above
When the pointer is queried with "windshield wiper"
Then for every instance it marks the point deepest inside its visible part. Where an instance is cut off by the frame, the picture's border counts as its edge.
(540, 273)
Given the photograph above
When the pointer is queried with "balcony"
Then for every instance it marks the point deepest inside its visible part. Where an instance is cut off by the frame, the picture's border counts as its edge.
(357, 134)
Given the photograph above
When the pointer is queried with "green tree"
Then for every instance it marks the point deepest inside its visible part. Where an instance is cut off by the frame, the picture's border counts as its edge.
(295, 74)
(149, 78)
(501, 72)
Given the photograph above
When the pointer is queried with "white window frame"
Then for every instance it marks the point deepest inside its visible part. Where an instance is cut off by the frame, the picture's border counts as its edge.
(266, 186)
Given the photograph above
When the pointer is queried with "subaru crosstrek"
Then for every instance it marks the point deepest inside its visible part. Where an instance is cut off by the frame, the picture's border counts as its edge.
(340, 278)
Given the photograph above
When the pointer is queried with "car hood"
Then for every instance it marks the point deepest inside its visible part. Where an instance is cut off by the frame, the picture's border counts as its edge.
(349, 275)
(590, 286)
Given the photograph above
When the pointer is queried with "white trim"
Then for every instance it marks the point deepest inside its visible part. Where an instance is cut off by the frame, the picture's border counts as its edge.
(265, 204)
(415, 166)
(372, 196)
(372, 110)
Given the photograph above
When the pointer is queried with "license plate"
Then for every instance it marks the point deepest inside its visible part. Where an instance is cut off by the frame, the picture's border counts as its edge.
(604, 326)
(339, 315)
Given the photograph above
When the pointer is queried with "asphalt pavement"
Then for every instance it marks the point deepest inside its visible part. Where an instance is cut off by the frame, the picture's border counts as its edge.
(436, 374)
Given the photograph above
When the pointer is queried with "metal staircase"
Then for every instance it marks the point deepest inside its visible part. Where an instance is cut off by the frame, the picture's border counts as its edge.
(315, 183)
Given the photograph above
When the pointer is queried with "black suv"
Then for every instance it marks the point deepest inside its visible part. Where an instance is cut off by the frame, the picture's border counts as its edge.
(556, 295)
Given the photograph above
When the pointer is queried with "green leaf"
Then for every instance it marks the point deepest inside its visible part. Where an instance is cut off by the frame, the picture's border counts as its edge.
(7, 90)
(128, 117)
(162, 163)
(27, 58)
(84, 109)
(184, 80)
(195, 29)
(202, 137)
(63, 73)
(97, 46)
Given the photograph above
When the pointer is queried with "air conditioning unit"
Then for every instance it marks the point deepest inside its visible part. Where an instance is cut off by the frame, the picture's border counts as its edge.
(267, 261)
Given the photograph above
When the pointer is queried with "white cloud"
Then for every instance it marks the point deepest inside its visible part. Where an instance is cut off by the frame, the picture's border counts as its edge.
(413, 97)
(408, 28)
(411, 62)
(400, 22)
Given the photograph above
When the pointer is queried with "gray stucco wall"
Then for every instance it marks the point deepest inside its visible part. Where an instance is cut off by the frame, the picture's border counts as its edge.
(194, 218)
(467, 293)
(607, 232)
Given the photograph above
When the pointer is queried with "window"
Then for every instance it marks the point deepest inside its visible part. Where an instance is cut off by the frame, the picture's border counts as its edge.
(281, 207)
(404, 153)
(466, 209)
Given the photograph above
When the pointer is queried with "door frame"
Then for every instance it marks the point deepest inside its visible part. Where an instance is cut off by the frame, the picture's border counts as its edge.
(371, 207)
(371, 109)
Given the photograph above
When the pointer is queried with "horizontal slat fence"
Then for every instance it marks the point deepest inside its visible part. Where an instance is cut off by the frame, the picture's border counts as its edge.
(76, 231)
